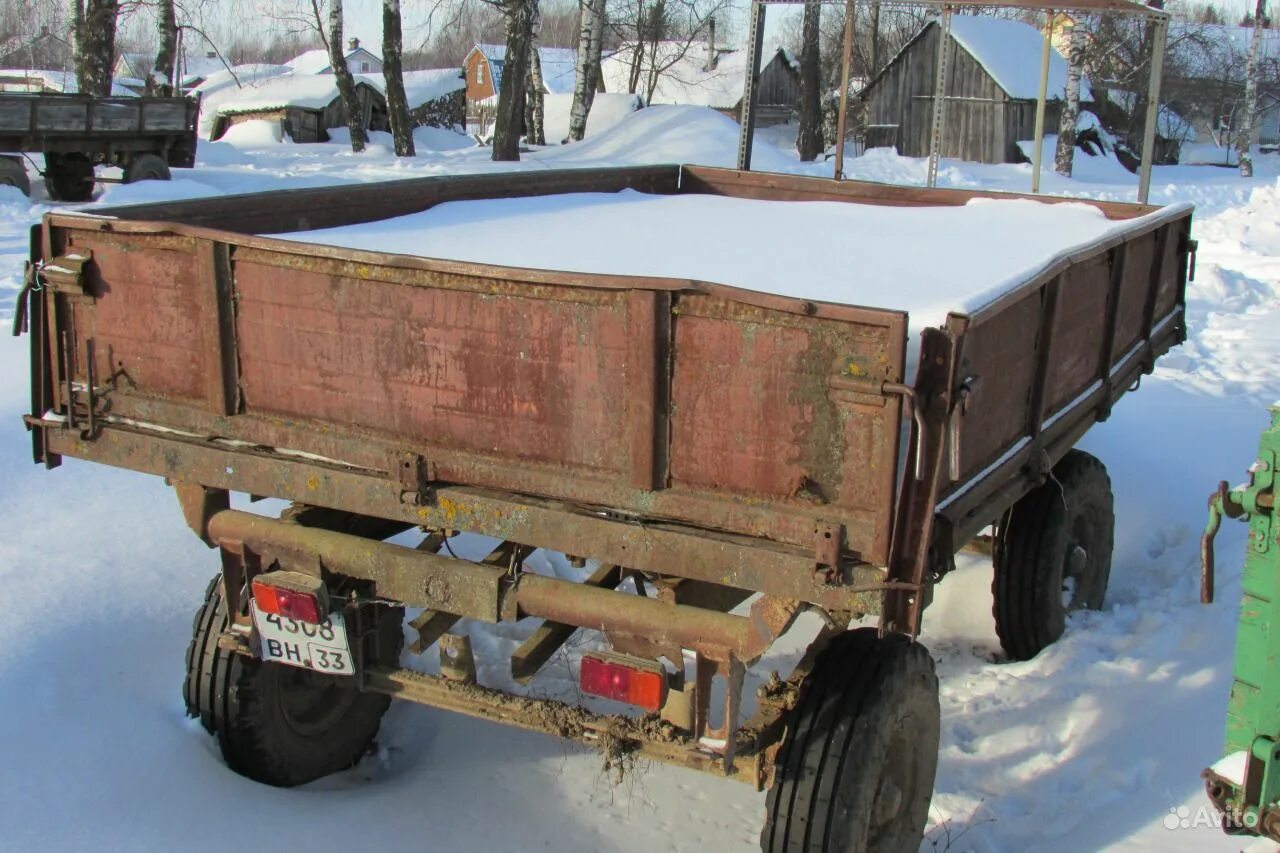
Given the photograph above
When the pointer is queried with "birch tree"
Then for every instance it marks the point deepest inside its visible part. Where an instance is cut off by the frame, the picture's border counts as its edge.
(534, 109)
(393, 76)
(346, 83)
(809, 137)
(1065, 153)
(160, 80)
(586, 74)
(94, 27)
(1249, 109)
(509, 117)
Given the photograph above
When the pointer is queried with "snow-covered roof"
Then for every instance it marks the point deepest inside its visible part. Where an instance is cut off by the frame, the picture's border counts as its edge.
(137, 65)
(310, 62)
(251, 74)
(27, 80)
(196, 67)
(558, 66)
(38, 80)
(317, 61)
(308, 91)
(423, 86)
(1010, 51)
(685, 78)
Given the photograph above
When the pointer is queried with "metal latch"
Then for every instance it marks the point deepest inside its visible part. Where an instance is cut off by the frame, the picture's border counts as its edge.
(1191, 247)
(828, 542)
(414, 474)
(67, 274)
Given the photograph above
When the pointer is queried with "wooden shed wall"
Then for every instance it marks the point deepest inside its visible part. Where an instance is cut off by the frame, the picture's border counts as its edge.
(779, 84)
(983, 123)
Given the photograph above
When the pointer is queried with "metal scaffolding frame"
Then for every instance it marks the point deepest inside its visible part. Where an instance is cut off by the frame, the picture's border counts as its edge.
(1158, 17)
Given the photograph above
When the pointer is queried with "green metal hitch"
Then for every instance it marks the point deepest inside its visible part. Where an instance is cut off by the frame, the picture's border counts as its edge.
(1245, 785)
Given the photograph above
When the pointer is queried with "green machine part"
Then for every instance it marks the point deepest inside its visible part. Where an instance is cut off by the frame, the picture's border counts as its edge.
(1249, 802)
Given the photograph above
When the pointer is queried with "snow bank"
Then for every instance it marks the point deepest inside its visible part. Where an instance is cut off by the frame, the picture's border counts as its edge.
(976, 251)
(143, 192)
(668, 134)
(258, 133)
(606, 111)
(1095, 168)
(439, 139)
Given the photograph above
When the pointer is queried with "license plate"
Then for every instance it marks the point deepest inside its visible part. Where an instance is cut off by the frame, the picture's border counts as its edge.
(323, 648)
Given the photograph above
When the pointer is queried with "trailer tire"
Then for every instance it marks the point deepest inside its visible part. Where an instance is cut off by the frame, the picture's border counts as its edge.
(857, 763)
(277, 724)
(1053, 555)
(68, 177)
(146, 167)
(13, 173)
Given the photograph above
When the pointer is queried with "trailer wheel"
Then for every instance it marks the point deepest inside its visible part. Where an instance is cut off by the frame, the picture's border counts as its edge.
(278, 724)
(68, 177)
(857, 763)
(13, 173)
(1053, 555)
(146, 167)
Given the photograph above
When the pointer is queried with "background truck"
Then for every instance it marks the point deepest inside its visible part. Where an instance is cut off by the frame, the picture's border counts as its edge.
(144, 136)
(391, 400)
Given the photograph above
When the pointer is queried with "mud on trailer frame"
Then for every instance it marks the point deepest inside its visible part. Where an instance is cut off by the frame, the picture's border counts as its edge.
(166, 338)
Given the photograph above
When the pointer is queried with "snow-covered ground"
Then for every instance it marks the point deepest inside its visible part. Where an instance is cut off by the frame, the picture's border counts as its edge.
(1097, 743)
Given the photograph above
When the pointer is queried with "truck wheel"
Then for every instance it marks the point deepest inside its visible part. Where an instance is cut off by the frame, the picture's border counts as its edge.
(68, 177)
(278, 724)
(14, 174)
(146, 167)
(1053, 555)
(857, 763)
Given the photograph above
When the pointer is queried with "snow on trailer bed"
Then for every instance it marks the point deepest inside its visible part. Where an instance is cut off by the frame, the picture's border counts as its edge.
(928, 261)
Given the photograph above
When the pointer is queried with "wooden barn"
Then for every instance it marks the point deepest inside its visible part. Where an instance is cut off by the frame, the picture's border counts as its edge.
(306, 106)
(991, 91)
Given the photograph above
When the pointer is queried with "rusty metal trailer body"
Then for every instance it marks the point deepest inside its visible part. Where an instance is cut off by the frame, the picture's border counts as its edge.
(142, 135)
(712, 442)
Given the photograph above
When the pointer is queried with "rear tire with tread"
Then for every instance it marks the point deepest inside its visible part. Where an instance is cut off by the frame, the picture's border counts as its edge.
(1052, 555)
(68, 177)
(857, 763)
(146, 167)
(277, 724)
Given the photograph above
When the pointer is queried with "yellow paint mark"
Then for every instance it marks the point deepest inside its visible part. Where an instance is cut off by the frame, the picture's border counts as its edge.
(313, 483)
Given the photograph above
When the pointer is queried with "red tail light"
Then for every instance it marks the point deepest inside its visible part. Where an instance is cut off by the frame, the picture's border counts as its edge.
(281, 597)
(627, 680)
